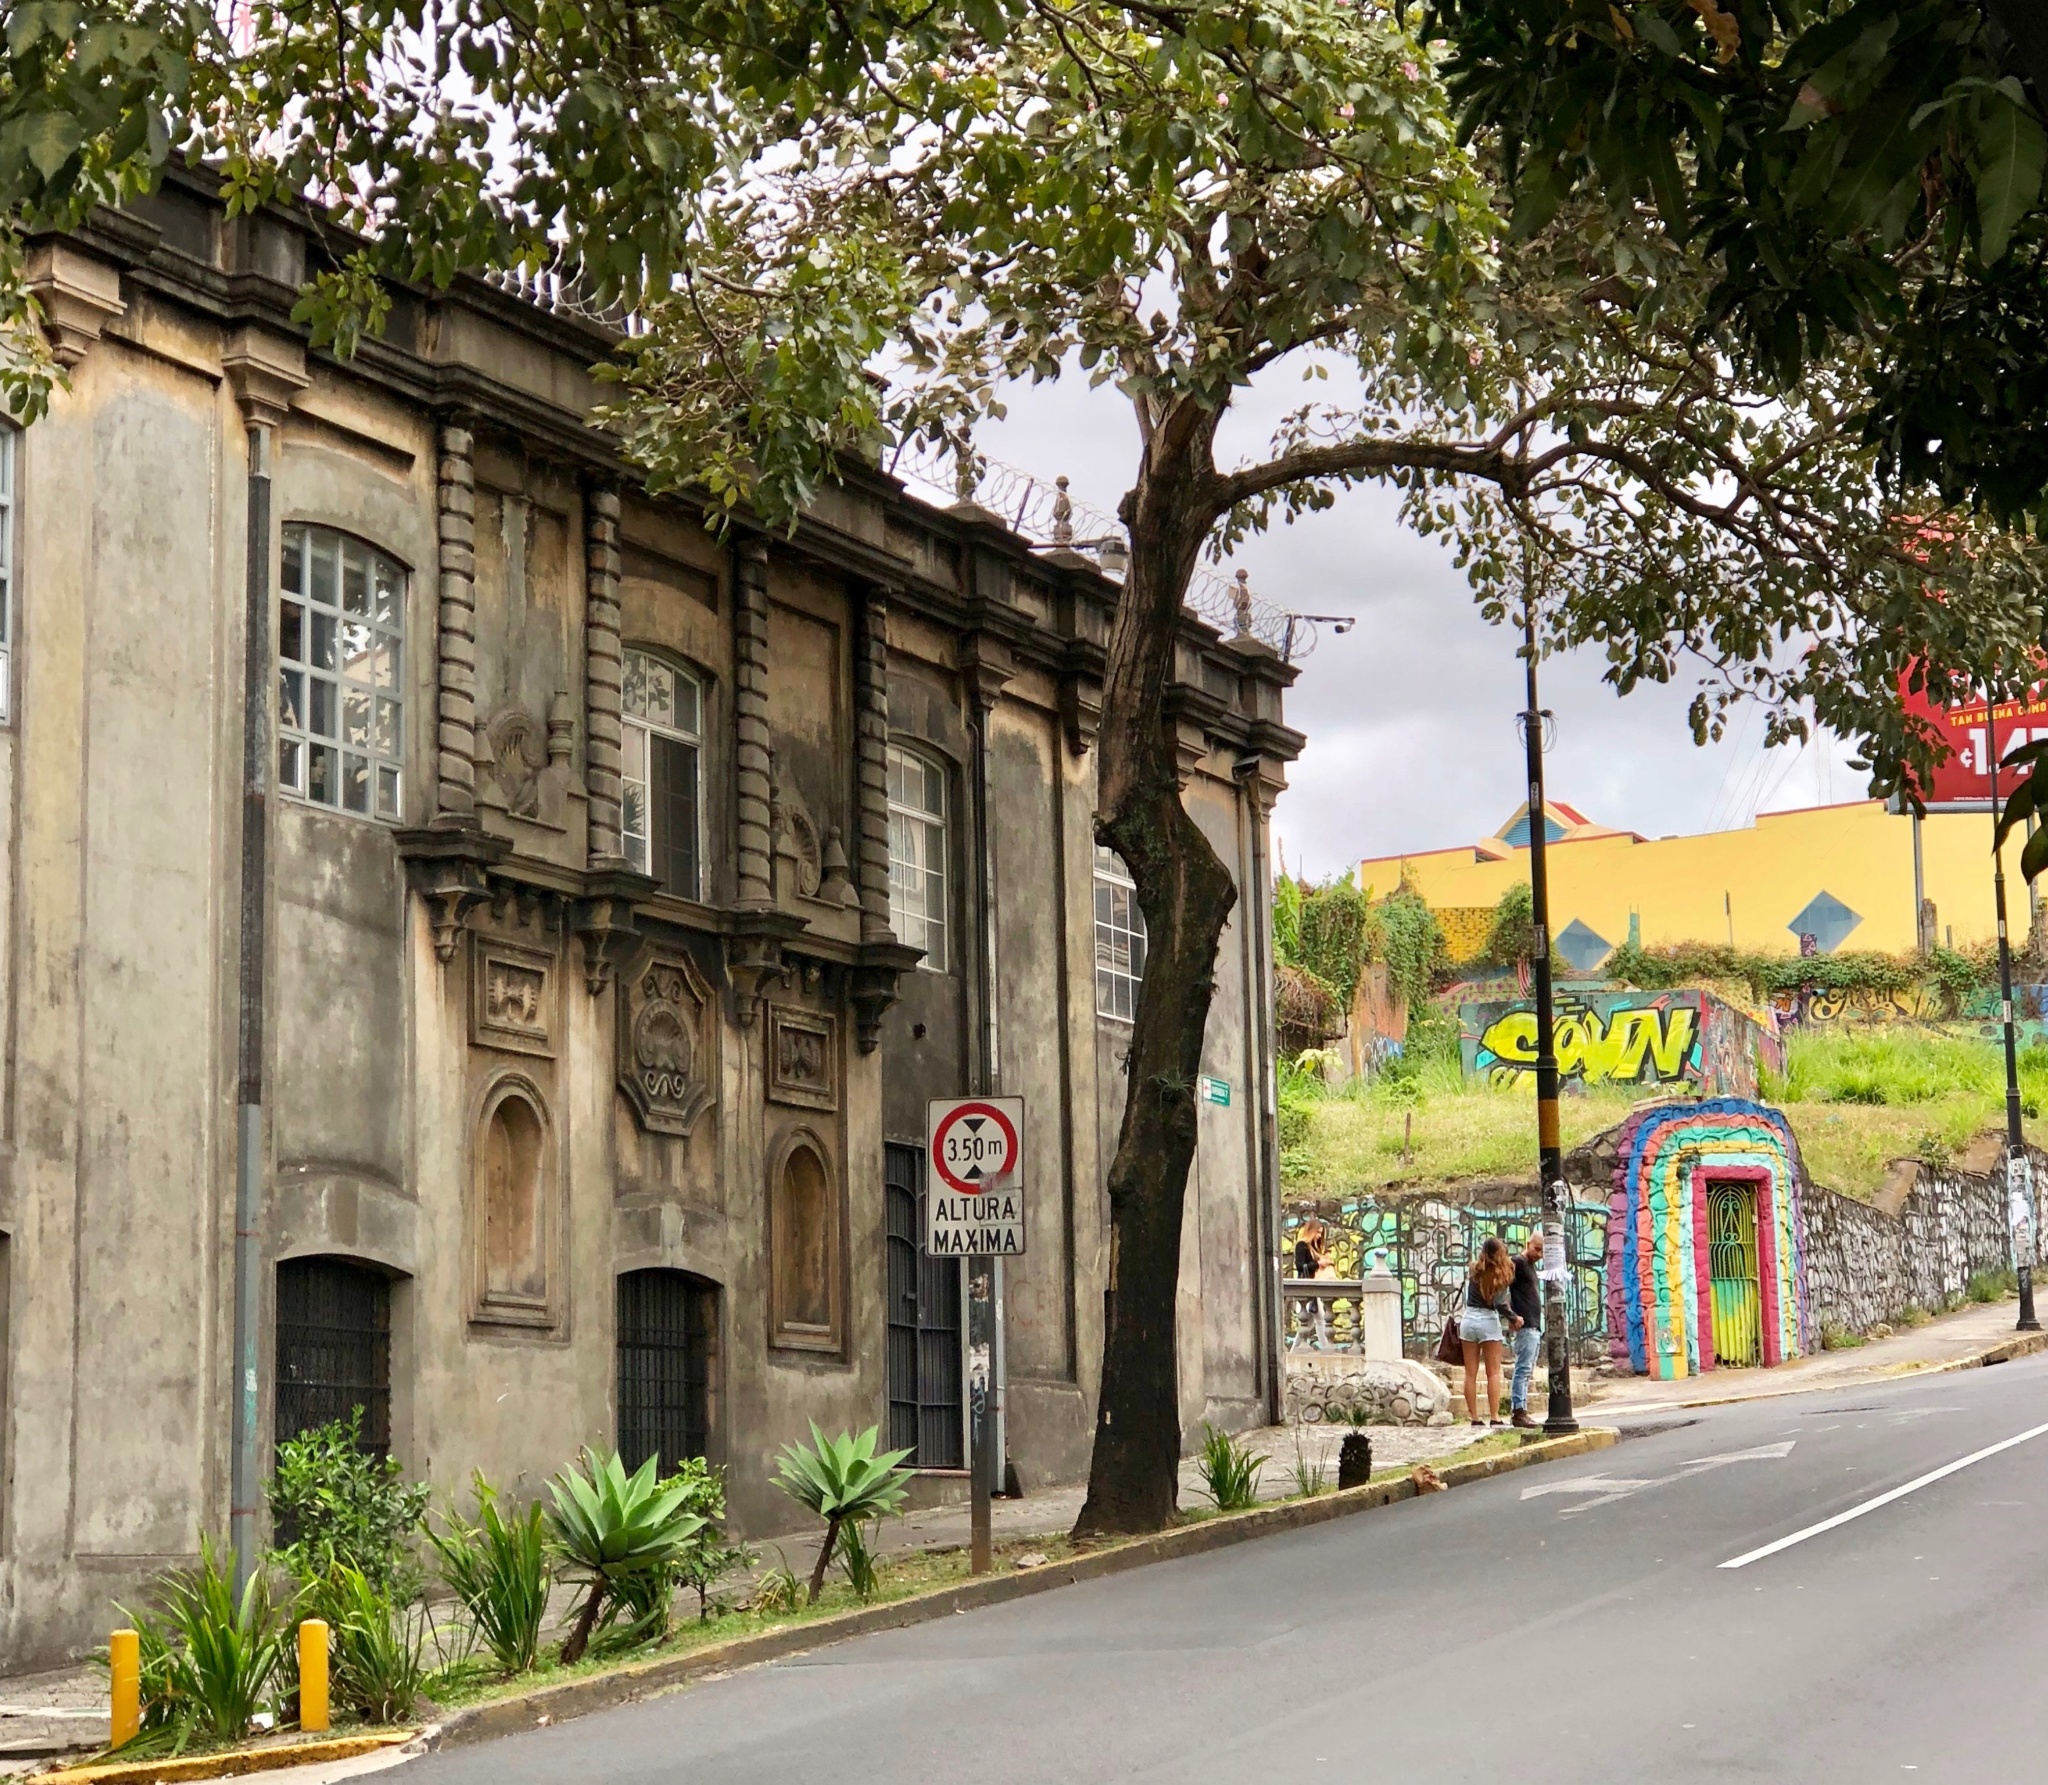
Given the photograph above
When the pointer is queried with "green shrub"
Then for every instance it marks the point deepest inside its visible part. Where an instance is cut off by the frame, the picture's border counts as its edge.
(210, 1661)
(1991, 1286)
(1230, 1470)
(498, 1569)
(844, 1482)
(1309, 1477)
(1911, 1315)
(708, 1558)
(622, 1534)
(1836, 1337)
(341, 1503)
(1511, 938)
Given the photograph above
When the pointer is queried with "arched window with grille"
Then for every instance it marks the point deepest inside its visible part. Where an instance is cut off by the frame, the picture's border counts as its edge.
(667, 1346)
(333, 1348)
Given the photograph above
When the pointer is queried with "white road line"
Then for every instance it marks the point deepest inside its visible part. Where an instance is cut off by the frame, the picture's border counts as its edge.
(1897, 1493)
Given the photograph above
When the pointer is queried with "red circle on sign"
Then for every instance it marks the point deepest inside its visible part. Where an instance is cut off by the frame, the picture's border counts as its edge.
(954, 1117)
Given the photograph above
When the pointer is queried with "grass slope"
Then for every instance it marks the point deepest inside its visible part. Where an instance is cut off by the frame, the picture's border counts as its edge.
(1856, 1101)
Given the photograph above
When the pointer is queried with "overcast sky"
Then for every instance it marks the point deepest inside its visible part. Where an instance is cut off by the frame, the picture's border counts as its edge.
(1410, 716)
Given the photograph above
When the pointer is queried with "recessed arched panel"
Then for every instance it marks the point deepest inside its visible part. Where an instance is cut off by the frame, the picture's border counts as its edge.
(514, 1220)
(804, 1222)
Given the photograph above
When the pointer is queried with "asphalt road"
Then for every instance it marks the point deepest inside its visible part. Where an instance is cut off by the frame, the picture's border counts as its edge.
(1573, 1622)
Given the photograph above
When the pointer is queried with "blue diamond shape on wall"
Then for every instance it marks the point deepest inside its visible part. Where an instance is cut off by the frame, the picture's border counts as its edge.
(1580, 948)
(1827, 920)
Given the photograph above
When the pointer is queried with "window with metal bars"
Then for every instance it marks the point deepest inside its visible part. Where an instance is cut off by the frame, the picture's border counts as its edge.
(925, 1374)
(333, 1348)
(668, 1341)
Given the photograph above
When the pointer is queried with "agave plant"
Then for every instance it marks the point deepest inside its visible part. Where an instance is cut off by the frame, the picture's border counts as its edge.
(615, 1530)
(844, 1483)
(498, 1568)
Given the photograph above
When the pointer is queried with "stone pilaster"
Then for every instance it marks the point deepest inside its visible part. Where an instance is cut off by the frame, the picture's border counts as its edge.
(603, 673)
(871, 810)
(750, 727)
(455, 666)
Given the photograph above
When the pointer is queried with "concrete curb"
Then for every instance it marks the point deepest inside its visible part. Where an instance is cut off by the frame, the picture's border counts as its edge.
(233, 1763)
(625, 1685)
(2019, 1345)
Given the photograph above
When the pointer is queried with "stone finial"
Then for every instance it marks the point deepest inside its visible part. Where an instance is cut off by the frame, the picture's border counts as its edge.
(1062, 514)
(1241, 603)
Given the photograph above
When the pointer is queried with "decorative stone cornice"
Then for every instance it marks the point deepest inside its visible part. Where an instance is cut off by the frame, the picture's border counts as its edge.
(79, 296)
(987, 666)
(451, 870)
(266, 371)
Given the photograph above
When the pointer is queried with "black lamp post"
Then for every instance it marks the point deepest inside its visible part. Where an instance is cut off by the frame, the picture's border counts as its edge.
(1550, 1153)
(2018, 1168)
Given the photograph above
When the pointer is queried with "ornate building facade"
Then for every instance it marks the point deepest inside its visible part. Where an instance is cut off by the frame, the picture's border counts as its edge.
(556, 914)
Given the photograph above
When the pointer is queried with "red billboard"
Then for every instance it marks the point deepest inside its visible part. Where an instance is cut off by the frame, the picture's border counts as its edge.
(1963, 778)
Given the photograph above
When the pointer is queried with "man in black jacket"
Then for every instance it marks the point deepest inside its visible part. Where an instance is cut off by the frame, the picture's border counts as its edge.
(1525, 1298)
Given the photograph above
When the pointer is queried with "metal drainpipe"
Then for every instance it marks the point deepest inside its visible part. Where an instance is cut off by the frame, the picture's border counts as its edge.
(245, 1489)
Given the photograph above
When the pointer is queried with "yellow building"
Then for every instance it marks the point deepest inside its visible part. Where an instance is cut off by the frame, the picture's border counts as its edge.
(1841, 874)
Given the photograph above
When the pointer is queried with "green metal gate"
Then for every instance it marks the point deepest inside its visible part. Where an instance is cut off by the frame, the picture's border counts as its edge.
(1732, 1256)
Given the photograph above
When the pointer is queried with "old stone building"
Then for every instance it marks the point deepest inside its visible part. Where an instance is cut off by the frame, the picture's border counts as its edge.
(624, 893)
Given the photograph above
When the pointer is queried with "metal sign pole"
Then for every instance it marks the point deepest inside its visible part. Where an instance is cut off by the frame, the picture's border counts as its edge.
(2018, 1168)
(980, 1381)
(1550, 1154)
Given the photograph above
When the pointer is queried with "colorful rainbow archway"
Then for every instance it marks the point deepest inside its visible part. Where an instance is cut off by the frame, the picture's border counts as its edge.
(1660, 1296)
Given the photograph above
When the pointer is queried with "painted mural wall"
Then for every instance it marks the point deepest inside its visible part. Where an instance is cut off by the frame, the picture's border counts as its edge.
(1665, 1245)
(1623, 1037)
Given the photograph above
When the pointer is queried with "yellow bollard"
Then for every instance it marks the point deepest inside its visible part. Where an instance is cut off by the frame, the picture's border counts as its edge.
(124, 1655)
(313, 1674)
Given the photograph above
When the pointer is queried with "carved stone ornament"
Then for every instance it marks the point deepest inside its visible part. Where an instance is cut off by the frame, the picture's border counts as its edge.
(519, 751)
(511, 997)
(664, 1064)
(803, 1057)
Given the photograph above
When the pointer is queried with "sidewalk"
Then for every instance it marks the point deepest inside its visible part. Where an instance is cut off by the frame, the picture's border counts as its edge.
(1944, 1341)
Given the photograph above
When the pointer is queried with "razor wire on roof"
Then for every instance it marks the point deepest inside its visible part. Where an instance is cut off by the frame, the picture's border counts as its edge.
(1049, 516)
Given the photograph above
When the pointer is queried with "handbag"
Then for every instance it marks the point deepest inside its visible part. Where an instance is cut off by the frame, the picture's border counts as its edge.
(1450, 1349)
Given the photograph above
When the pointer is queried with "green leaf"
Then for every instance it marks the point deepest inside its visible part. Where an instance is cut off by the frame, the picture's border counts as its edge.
(49, 138)
(2012, 152)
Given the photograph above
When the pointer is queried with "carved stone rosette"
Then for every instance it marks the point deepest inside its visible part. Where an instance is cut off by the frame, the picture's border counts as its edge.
(664, 1045)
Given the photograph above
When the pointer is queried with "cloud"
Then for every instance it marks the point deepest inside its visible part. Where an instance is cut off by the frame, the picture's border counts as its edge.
(1410, 717)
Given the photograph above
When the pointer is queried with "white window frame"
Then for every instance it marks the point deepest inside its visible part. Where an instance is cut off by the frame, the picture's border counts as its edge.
(638, 729)
(918, 879)
(341, 674)
(1119, 938)
(6, 575)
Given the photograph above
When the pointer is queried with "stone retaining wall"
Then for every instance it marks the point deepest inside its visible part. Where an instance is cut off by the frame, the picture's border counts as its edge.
(1916, 1247)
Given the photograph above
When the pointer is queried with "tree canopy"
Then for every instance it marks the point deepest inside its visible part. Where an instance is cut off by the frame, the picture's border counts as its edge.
(1843, 168)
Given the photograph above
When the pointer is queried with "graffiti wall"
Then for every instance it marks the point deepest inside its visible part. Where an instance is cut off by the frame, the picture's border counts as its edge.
(1624, 1038)
(1706, 1240)
(1429, 1243)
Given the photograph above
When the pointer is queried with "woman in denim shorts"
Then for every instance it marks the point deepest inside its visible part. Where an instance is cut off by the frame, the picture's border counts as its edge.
(1484, 1322)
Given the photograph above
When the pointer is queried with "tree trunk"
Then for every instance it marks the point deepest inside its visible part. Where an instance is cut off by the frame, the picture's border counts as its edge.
(825, 1550)
(579, 1637)
(1186, 894)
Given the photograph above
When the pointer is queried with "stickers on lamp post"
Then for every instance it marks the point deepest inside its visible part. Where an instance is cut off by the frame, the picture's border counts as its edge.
(974, 1202)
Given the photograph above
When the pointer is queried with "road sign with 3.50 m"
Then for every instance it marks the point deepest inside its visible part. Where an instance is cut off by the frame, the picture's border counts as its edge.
(975, 1200)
